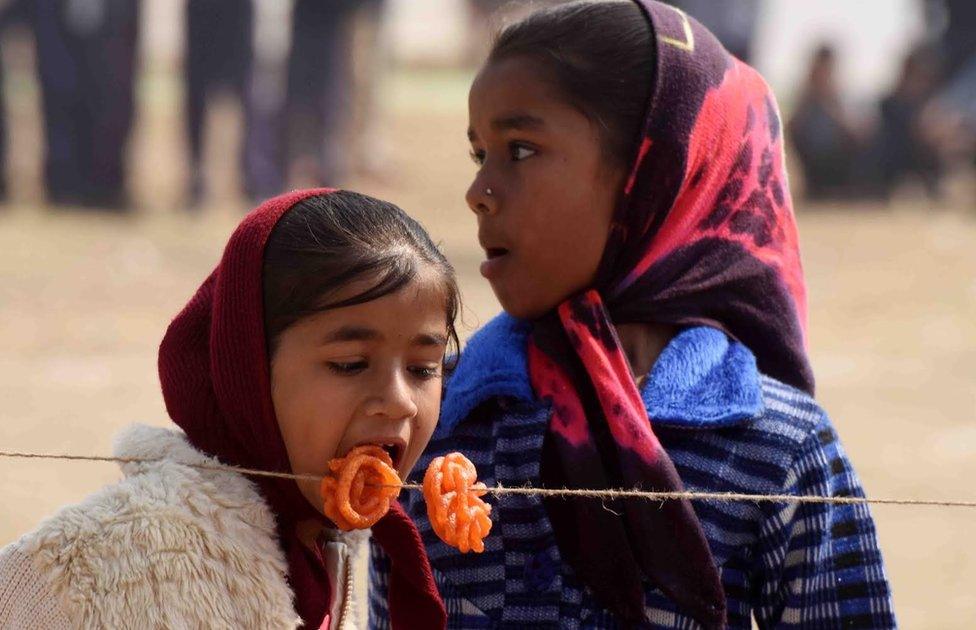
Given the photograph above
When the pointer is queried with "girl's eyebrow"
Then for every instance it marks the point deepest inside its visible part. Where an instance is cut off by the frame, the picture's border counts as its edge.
(517, 121)
(361, 333)
(430, 339)
(351, 333)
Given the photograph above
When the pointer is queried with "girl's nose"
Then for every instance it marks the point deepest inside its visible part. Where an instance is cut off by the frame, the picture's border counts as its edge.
(393, 399)
(481, 197)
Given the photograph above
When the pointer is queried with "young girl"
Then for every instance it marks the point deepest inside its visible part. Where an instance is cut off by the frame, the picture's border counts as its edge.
(638, 230)
(324, 327)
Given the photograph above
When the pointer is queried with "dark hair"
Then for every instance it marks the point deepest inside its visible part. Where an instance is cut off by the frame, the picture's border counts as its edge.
(600, 56)
(325, 242)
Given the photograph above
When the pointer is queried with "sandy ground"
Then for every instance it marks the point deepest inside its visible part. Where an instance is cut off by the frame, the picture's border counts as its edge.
(84, 300)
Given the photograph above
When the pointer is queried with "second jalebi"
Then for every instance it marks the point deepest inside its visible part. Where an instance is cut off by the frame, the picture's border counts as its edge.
(454, 506)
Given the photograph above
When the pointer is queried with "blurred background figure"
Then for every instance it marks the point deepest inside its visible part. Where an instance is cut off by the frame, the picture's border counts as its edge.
(303, 75)
(953, 23)
(217, 59)
(318, 94)
(86, 60)
(264, 103)
(11, 12)
(369, 54)
(339, 54)
(906, 145)
(733, 22)
(952, 116)
(823, 137)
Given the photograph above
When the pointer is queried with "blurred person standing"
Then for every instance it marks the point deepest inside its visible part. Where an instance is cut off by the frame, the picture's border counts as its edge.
(307, 73)
(955, 24)
(952, 114)
(369, 61)
(823, 138)
(318, 94)
(904, 145)
(264, 157)
(86, 58)
(218, 58)
(10, 11)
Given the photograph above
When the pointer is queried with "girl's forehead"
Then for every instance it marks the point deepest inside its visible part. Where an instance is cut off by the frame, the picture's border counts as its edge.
(513, 83)
(415, 309)
(427, 286)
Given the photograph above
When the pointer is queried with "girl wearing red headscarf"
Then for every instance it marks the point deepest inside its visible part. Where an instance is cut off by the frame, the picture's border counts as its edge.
(324, 327)
(639, 233)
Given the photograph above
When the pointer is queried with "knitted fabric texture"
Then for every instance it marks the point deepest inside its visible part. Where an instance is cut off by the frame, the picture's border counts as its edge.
(27, 600)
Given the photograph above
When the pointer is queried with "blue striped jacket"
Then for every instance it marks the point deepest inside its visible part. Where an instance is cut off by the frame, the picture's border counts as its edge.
(727, 428)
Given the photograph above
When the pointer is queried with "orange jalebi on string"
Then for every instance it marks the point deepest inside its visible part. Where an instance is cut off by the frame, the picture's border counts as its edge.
(456, 511)
(358, 490)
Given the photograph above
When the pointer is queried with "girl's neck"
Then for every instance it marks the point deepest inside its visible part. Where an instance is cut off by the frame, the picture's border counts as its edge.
(308, 532)
(642, 345)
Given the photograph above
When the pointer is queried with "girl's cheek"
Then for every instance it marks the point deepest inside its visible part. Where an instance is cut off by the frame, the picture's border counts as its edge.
(428, 413)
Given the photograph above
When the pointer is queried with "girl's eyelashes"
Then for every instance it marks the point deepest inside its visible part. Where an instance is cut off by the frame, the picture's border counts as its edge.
(347, 368)
(426, 372)
(352, 368)
(517, 151)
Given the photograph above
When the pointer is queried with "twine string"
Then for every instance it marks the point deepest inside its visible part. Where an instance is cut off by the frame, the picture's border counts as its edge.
(500, 490)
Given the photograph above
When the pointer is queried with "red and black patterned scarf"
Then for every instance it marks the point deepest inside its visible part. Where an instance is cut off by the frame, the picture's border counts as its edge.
(704, 234)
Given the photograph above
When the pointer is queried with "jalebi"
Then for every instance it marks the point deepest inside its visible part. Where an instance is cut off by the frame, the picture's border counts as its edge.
(454, 507)
(358, 490)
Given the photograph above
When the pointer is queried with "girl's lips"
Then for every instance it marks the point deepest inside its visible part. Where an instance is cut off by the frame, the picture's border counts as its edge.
(491, 267)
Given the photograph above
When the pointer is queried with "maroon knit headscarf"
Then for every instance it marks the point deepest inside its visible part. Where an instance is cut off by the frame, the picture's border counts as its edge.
(704, 234)
(215, 373)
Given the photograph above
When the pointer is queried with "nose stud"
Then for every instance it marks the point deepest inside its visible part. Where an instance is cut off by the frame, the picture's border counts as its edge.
(488, 192)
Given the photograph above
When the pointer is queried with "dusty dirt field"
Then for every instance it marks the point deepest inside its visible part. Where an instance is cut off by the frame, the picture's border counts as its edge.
(84, 301)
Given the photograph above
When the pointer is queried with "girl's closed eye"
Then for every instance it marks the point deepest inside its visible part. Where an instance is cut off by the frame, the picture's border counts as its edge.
(423, 371)
(477, 156)
(347, 368)
(427, 371)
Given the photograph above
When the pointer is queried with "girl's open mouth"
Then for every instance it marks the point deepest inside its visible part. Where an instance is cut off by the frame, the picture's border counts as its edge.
(394, 447)
(395, 451)
(496, 256)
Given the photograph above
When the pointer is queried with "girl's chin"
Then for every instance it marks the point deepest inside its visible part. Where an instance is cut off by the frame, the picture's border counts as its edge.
(519, 309)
